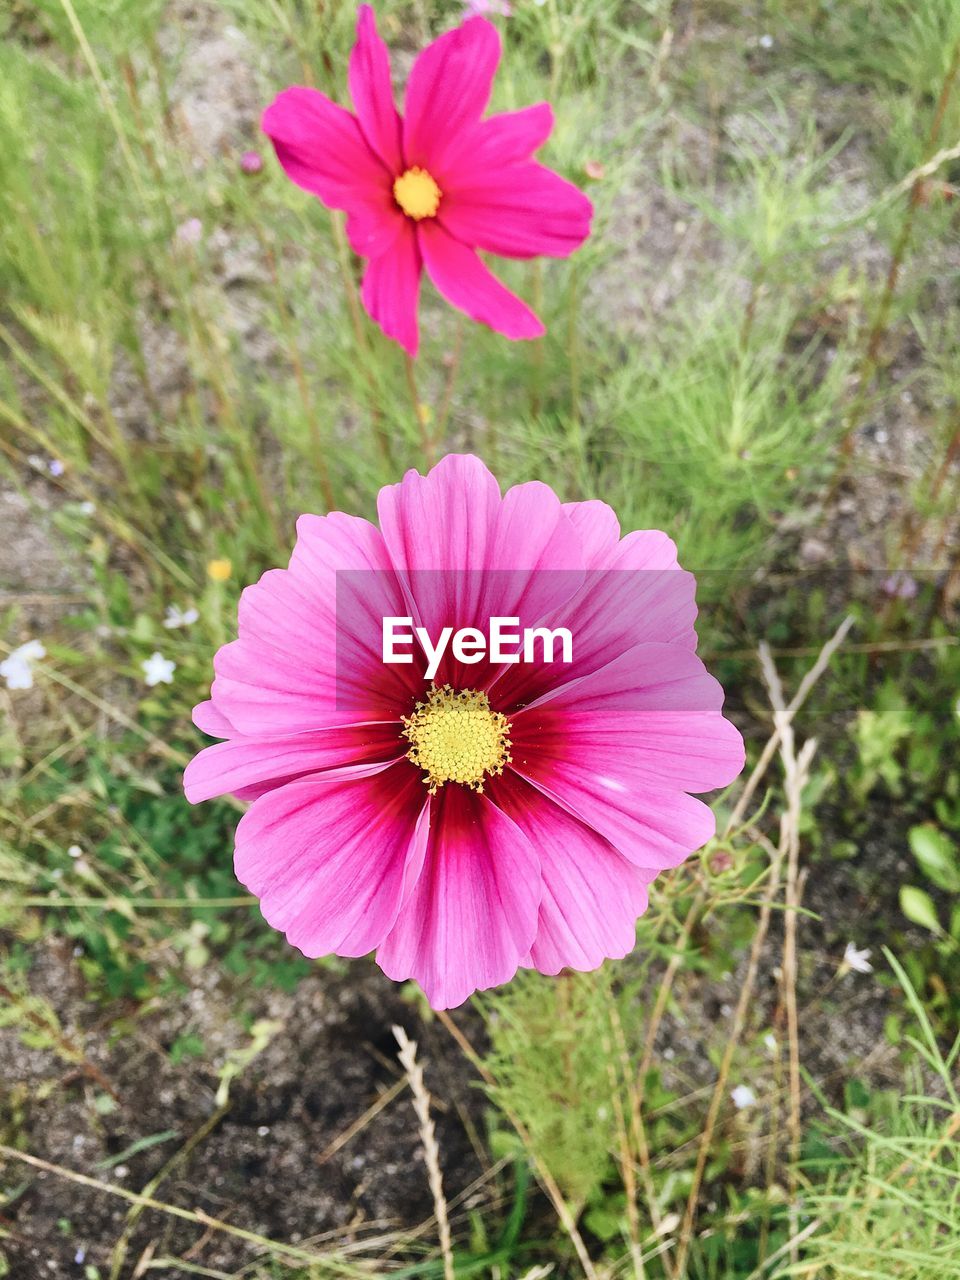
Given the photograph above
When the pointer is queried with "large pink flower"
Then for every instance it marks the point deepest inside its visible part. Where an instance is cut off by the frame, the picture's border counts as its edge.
(431, 188)
(500, 815)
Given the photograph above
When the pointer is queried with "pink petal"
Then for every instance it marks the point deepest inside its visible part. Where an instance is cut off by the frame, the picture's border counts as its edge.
(472, 914)
(372, 92)
(322, 149)
(469, 286)
(620, 747)
(506, 138)
(391, 288)
(329, 858)
(516, 211)
(309, 654)
(599, 531)
(656, 708)
(211, 721)
(633, 592)
(447, 92)
(373, 232)
(592, 896)
(241, 763)
(464, 554)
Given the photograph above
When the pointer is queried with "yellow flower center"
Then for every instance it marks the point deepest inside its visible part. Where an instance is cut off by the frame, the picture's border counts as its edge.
(417, 194)
(454, 736)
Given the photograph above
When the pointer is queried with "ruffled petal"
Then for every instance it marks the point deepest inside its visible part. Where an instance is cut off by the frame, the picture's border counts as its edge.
(634, 592)
(447, 92)
(621, 747)
(211, 721)
(238, 764)
(599, 531)
(391, 288)
(516, 211)
(331, 858)
(372, 92)
(465, 554)
(472, 914)
(592, 896)
(458, 273)
(322, 149)
(309, 652)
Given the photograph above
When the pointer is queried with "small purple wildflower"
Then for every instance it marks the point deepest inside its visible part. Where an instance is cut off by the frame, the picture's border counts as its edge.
(899, 586)
(251, 162)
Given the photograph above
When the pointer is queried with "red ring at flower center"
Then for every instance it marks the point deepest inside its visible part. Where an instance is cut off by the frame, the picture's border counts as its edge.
(417, 194)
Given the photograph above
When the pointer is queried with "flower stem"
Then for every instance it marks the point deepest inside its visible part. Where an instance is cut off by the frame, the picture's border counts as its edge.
(539, 350)
(420, 411)
(870, 360)
(318, 444)
(451, 381)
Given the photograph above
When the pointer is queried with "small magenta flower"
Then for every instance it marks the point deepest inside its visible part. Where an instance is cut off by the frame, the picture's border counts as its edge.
(251, 162)
(428, 190)
(497, 814)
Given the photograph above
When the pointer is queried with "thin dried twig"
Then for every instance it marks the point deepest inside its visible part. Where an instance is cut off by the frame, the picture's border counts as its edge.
(133, 1215)
(545, 1177)
(795, 768)
(736, 817)
(174, 1210)
(796, 702)
(361, 1122)
(739, 1022)
(428, 1138)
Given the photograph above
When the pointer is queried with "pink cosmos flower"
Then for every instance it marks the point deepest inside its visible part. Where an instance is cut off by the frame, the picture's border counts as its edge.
(501, 815)
(427, 190)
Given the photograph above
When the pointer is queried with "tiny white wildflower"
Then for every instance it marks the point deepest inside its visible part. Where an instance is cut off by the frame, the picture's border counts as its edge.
(743, 1096)
(17, 668)
(765, 42)
(74, 851)
(87, 508)
(770, 1042)
(158, 670)
(177, 617)
(857, 960)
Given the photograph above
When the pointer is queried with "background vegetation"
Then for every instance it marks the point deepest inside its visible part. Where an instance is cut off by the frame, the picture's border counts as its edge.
(758, 352)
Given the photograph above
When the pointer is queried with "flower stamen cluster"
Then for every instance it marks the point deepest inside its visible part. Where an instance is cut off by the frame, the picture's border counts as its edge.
(417, 194)
(455, 736)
